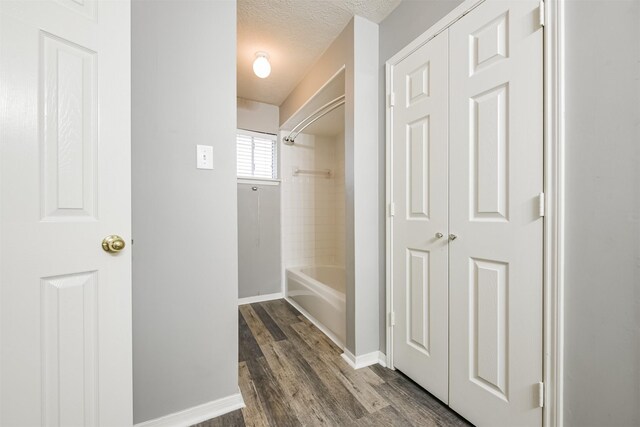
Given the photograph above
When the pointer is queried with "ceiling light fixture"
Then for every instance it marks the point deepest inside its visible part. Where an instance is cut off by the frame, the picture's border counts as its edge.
(261, 65)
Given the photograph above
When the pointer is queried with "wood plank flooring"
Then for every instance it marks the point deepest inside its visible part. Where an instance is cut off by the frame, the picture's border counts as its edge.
(291, 374)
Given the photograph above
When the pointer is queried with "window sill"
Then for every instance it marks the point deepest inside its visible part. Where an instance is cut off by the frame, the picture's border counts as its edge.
(259, 181)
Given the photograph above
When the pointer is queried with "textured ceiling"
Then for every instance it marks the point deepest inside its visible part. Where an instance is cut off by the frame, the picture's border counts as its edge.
(294, 33)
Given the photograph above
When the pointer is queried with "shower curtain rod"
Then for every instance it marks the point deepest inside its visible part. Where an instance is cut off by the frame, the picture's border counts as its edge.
(329, 107)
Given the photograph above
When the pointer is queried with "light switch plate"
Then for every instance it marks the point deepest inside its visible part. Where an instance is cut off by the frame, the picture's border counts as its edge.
(205, 157)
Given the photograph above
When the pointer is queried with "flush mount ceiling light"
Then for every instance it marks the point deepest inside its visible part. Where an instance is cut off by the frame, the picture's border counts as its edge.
(261, 65)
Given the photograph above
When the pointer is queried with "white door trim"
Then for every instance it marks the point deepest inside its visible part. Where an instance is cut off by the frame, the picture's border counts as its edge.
(554, 142)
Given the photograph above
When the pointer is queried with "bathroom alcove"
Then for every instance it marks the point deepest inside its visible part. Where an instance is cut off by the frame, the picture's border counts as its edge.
(313, 209)
(354, 55)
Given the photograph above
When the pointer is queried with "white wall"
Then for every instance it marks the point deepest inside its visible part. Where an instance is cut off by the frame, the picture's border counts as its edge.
(410, 19)
(602, 241)
(355, 49)
(185, 330)
(258, 116)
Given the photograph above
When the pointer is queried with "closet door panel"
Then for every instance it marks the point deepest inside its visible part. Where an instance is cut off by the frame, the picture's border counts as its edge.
(496, 175)
(419, 168)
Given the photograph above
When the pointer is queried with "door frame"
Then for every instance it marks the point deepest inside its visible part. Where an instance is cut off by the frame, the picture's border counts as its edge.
(554, 170)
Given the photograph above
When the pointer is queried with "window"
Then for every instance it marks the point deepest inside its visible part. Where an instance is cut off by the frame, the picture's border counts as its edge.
(257, 155)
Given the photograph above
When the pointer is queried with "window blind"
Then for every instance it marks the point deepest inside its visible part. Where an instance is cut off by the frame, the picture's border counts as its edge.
(257, 156)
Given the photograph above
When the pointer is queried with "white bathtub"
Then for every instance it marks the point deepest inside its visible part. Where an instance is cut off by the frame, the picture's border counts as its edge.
(319, 293)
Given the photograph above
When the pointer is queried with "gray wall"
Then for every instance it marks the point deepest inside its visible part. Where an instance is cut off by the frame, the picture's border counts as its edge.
(361, 215)
(410, 19)
(602, 252)
(259, 249)
(259, 263)
(185, 283)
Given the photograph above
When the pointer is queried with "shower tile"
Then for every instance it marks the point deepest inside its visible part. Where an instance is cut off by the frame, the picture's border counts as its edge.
(313, 206)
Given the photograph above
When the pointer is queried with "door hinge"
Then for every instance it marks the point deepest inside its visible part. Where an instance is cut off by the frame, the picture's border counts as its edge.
(541, 13)
(541, 204)
(392, 318)
(392, 99)
(541, 395)
(392, 209)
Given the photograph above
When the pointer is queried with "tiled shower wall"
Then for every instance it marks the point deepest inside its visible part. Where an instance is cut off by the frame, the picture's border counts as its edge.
(313, 205)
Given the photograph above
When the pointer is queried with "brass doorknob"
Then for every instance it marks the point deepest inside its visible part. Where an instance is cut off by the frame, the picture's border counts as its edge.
(113, 244)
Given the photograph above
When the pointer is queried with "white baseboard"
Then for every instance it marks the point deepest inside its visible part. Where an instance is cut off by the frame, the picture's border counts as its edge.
(317, 324)
(382, 359)
(357, 362)
(197, 414)
(260, 298)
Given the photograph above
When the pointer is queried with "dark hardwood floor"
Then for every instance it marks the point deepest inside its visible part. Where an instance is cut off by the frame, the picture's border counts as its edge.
(291, 374)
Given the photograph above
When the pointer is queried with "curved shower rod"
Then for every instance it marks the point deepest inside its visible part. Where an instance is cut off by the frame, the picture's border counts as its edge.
(325, 109)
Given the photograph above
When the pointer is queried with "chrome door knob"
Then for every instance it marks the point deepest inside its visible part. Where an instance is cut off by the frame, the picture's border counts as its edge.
(439, 235)
(452, 237)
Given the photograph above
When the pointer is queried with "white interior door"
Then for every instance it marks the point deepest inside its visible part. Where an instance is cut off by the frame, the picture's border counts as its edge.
(420, 171)
(65, 303)
(496, 175)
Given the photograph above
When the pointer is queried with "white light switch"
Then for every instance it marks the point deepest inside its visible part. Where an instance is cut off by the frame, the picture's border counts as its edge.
(205, 157)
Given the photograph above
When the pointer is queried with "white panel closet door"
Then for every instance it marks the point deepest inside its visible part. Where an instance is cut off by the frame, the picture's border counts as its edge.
(496, 175)
(65, 304)
(420, 292)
